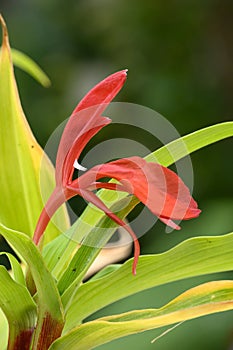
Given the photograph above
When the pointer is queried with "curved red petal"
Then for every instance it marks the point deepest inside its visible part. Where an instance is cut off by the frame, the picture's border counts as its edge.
(56, 199)
(84, 123)
(104, 91)
(159, 188)
(65, 169)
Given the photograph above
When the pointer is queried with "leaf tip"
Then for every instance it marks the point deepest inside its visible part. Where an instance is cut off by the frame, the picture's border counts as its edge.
(4, 30)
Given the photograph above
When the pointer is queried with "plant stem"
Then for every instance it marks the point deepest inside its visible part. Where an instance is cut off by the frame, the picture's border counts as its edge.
(50, 330)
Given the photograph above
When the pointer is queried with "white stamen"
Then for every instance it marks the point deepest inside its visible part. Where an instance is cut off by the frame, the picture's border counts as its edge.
(78, 166)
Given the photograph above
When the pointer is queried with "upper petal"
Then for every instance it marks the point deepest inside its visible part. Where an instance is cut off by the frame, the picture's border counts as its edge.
(84, 123)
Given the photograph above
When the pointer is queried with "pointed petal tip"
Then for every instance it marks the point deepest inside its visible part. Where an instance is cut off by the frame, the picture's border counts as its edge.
(193, 213)
(198, 212)
(120, 76)
(134, 266)
(122, 71)
(136, 256)
(125, 71)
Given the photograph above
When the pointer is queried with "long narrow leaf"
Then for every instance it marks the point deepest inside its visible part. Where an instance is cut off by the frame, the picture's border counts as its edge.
(190, 143)
(4, 330)
(20, 157)
(16, 267)
(19, 309)
(193, 257)
(203, 300)
(25, 63)
(49, 303)
(84, 257)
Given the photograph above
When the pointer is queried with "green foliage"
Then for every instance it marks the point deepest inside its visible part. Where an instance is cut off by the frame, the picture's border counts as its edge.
(17, 271)
(199, 301)
(194, 257)
(48, 299)
(18, 307)
(51, 293)
(28, 65)
(21, 201)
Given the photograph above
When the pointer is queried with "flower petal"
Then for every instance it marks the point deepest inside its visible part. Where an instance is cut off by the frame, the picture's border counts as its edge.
(159, 188)
(56, 199)
(84, 123)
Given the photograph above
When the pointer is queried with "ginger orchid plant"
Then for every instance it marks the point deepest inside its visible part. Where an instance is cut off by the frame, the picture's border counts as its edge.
(160, 189)
(45, 299)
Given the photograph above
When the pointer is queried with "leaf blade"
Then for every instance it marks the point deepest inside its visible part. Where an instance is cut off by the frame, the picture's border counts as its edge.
(20, 200)
(17, 270)
(193, 257)
(4, 330)
(19, 309)
(49, 303)
(24, 62)
(202, 300)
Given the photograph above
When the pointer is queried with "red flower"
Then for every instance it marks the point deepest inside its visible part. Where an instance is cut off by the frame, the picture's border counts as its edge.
(159, 188)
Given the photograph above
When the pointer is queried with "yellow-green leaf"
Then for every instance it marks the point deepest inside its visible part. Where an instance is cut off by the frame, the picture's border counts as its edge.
(193, 257)
(203, 300)
(19, 309)
(20, 157)
(3, 331)
(16, 269)
(50, 310)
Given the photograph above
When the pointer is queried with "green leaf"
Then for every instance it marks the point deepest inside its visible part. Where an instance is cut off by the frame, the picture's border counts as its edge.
(19, 309)
(193, 257)
(202, 300)
(29, 66)
(20, 157)
(177, 149)
(58, 253)
(50, 311)
(17, 271)
(4, 329)
(86, 254)
(105, 271)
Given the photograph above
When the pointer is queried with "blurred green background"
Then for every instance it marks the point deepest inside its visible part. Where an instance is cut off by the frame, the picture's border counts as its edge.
(179, 55)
